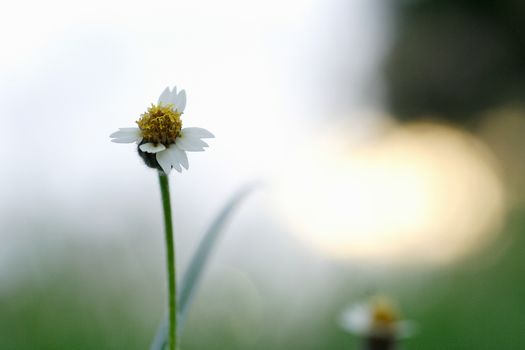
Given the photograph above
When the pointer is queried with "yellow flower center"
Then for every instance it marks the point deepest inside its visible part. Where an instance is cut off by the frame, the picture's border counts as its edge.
(160, 124)
(384, 314)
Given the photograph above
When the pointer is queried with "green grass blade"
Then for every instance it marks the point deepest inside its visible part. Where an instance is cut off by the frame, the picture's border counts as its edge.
(195, 270)
(161, 338)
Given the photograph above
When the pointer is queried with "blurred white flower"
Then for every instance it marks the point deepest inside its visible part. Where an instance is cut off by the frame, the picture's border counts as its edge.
(162, 141)
(377, 317)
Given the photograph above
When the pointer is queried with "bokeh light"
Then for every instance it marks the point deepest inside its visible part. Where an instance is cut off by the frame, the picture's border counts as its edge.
(422, 192)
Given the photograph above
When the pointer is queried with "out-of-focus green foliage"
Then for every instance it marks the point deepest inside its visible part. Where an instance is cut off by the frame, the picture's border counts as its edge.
(81, 298)
(75, 303)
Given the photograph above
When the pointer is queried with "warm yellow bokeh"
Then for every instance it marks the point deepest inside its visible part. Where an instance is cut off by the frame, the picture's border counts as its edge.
(424, 192)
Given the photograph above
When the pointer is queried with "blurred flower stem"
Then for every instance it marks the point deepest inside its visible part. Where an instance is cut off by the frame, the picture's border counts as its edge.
(170, 259)
(379, 342)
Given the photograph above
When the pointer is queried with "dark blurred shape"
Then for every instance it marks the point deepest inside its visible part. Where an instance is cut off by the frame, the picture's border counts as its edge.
(379, 343)
(456, 58)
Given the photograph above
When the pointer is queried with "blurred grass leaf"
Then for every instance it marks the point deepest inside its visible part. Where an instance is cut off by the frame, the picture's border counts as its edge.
(198, 262)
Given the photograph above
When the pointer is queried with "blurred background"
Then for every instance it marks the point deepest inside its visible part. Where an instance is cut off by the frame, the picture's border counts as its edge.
(389, 133)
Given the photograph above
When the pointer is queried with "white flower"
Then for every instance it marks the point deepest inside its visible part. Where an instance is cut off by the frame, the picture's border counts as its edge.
(160, 135)
(377, 317)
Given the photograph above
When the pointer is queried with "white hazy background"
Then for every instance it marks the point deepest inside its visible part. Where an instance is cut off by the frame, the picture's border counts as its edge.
(270, 79)
(261, 75)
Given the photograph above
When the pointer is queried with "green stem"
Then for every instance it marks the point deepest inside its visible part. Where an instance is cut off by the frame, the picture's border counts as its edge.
(170, 260)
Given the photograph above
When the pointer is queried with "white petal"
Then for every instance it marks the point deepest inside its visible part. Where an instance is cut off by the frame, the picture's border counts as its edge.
(356, 319)
(175, 164)
(198, 132)
(126, 135)
(152, 148)
(125, 140)
(190, 143)
(179, 102)
(174, 159)
(180, 155)
(173, 95)
(165, 97)
(171, 158)
(164, 160)
(126, 132)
